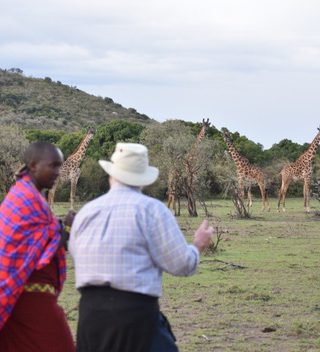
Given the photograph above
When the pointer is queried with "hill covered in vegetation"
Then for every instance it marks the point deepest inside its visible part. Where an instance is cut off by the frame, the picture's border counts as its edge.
(34, 109)
(44, 104)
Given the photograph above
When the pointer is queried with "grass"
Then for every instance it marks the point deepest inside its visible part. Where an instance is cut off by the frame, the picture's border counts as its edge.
(267, 301)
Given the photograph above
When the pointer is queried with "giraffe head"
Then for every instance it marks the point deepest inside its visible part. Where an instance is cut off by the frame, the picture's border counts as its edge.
(91, 131)
(227, 137)
(203, 131)
(206, 123)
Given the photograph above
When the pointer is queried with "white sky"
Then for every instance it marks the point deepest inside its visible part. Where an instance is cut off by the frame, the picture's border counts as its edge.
(251, 66)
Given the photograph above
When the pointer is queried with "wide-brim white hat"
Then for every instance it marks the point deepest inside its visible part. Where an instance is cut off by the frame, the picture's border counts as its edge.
(130, 165)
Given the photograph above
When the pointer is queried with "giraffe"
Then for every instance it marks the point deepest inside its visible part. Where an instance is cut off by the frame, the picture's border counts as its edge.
(191, 169)
(70, 169)
(301, 169)
(247, 172)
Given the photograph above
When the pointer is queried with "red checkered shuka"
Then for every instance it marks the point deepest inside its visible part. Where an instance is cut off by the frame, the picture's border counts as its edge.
(29, 239)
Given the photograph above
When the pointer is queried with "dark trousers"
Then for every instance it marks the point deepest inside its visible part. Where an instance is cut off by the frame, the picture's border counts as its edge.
(112, 320)
(115, 321)
(163, 338)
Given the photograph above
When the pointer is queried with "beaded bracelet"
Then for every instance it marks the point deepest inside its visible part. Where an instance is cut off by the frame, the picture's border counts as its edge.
(67, 228)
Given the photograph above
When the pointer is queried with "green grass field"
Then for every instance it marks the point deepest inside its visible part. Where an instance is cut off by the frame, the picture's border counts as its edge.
(259, 292)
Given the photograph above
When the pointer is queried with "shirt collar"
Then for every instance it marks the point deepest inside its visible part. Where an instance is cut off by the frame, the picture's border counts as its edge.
(123, 187)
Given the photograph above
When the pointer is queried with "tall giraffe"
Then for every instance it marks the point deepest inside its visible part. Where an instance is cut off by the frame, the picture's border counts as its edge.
(301, 169)
(70, 169)
(192, 168)
(247, 172)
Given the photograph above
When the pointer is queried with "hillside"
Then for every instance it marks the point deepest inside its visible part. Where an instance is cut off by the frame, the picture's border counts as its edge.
(45, 104)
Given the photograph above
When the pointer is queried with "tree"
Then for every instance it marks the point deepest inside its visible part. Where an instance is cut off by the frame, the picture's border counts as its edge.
(15, 70)
(50, 136)
(93, 180)
(107, 135)
(287, 149)
(169, 144)
(12, 145)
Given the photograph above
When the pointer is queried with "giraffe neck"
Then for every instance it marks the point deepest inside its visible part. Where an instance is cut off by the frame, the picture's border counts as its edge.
(80, 152)
(201, 134)
(310, 153)
(199, 139)
(235, 155)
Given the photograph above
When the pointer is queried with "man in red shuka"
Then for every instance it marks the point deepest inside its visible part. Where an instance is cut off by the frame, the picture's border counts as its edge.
(32, 259)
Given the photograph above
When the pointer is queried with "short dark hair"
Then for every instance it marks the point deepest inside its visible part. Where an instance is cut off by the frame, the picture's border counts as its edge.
(37, 150)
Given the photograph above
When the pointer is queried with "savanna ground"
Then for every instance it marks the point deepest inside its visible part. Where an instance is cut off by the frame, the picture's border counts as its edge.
(259, 292)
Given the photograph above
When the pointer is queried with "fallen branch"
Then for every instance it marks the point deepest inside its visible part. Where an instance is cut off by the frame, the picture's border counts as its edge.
(230, 264)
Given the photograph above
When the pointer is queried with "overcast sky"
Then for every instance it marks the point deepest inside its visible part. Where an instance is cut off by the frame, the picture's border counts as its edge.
(251, 66)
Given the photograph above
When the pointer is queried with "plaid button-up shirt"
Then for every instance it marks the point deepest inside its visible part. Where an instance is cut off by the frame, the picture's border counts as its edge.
(127, 239)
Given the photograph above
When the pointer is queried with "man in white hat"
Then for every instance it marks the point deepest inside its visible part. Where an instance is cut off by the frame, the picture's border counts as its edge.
(121, 243)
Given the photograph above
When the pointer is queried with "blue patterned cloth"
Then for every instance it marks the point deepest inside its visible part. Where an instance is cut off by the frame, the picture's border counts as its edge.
(127, 239)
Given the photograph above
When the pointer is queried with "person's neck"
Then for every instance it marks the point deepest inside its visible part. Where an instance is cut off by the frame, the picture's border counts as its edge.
(36, 184)
(113, 183)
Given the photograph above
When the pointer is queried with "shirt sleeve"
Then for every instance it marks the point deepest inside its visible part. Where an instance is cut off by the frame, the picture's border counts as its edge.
(168, 247)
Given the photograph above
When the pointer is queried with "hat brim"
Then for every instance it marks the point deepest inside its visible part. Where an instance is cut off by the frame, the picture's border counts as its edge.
(145, 178)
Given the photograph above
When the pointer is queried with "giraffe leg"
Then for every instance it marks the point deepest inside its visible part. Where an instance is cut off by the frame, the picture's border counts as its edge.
(282, 195)
(306, 195)
(249, 197)
(279, 198)
(241, 191)
(241, 188)
(264, 197)
(51, 194)
(169, 201)
(174, 204)
(262, 192)
(73, 189)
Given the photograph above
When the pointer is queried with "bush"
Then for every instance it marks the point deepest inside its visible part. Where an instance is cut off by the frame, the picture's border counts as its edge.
(12, 146)
(93, 180)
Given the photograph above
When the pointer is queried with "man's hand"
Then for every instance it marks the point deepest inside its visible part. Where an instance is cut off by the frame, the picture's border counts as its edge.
(68, 219)
(66, 224)
(203, 236)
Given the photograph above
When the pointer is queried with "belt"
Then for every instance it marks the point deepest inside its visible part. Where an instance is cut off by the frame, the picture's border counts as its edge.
(37, 287)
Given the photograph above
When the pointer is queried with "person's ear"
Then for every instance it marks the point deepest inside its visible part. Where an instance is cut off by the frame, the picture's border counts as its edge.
(32, 166)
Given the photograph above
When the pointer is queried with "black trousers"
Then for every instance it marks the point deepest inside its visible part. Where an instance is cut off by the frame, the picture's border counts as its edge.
(111, 320)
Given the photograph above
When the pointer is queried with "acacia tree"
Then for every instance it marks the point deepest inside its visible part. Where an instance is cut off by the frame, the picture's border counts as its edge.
(12, 145)
(166, 143)
(169, 144)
